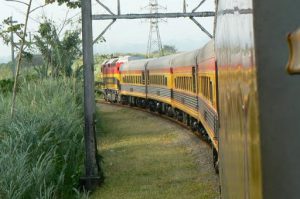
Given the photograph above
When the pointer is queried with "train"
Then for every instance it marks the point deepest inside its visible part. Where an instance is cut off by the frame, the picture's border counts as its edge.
(241, 90)
(181, 86)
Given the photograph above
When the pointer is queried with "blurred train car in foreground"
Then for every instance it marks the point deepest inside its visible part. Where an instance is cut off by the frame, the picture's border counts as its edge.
(259, 100)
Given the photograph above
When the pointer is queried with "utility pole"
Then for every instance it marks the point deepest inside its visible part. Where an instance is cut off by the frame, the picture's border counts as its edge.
(154, 34)
(92, 178)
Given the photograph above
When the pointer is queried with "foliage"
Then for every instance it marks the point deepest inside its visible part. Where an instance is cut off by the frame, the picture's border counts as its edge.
(59, 54)
(70, 3)
(167, 50)
(5, 71)
(17, 29)
(6, 86)
(41, 149)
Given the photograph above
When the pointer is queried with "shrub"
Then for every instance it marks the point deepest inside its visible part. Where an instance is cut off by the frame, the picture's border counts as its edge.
(6, 85)
(41, 149)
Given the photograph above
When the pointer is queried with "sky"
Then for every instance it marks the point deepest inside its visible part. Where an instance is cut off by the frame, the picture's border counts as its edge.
(124, 35)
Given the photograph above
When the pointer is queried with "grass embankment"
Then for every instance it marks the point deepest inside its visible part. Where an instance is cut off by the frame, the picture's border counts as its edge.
(41, 148)
(148, 157)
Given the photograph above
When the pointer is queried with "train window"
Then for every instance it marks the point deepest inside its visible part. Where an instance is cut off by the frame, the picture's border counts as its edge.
(186, 84)
(181, 83)
(211, 91)
(166, 81)
(143, 78)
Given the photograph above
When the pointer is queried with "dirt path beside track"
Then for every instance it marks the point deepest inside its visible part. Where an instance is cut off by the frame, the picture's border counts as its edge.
(150, 157)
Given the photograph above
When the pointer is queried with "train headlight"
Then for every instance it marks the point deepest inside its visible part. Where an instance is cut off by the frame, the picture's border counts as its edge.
(293, 65)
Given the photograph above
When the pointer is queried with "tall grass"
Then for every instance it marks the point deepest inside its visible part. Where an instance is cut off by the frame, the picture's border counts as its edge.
(41, 149)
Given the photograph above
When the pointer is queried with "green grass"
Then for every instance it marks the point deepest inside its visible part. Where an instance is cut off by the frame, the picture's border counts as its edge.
(147, 157)
(41, 148)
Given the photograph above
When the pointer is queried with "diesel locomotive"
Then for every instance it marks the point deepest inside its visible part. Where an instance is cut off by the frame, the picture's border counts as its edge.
(237, 92)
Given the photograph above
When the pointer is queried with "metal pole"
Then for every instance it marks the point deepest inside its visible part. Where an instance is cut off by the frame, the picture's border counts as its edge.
(119, 7)
(13, 69)
(92, 178)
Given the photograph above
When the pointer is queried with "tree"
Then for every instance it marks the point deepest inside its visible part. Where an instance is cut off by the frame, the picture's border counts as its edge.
(169, 49)
(22, 28)
(58, 53)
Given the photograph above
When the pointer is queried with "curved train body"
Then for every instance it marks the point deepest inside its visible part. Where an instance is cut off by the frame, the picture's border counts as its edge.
(182, 86)
(236, 92)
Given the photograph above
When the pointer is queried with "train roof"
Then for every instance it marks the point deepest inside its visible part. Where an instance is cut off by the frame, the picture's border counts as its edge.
(134, 65)
(185, 59)
(161, 62)
(207, 51)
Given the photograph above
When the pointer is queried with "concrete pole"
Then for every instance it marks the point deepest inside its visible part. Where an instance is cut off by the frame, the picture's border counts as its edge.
(92, 178)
